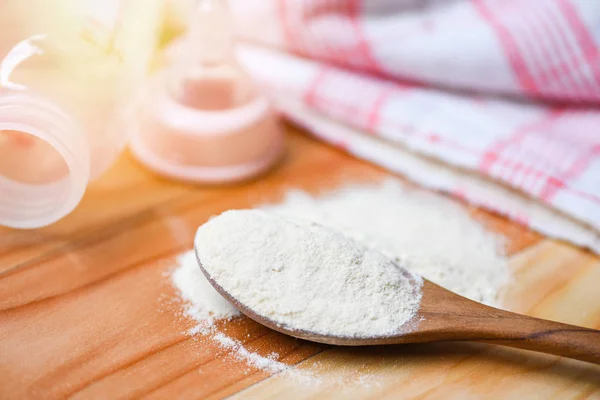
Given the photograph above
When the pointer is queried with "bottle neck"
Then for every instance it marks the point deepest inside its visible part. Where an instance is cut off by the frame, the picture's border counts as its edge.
(210, 39)
(33, 205)
(206, 74)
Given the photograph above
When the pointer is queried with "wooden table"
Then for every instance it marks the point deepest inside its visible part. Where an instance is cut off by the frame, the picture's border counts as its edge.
(87, 309)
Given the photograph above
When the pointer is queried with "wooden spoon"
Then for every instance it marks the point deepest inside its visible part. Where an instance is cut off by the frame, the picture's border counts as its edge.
(447, 316)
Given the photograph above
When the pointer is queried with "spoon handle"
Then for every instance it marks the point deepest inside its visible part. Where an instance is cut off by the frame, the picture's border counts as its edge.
(550, 337)
(448, 316)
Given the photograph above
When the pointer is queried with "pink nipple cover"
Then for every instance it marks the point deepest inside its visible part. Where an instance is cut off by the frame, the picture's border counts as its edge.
(204, 120)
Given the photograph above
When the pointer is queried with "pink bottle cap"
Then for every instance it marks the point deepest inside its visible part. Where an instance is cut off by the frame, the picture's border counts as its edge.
(198, 145)
(203, 120)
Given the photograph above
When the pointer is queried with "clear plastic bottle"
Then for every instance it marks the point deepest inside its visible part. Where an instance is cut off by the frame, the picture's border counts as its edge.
(69, 71)
(204, 121)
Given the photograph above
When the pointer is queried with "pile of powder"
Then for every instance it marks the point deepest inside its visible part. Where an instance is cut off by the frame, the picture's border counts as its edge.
(304, 276)
(425, 232)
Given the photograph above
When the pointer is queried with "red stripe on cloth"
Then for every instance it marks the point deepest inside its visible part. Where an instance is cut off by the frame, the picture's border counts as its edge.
(588, 196)
(553, 183)
(325, 7)
(526, 27)
(511, 49)
(304, 31)
(312, 91)
(288, 32)
(552, 81)
(363, 44)
(568, 64)
(375, 113)
(346, 56)
(493, 154)
(514, 173)
(551, 188)
(322, 44)
(575, 170)
(292, 15)
(586, 41)
(302, 28)
(314, 46)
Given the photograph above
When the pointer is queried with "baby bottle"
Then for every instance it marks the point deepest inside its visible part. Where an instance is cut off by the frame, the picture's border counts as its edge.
(68, 72)
(204, 121)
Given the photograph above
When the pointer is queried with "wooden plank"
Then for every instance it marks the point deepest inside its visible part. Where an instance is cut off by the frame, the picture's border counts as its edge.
(86, 308)
(124, 191)
(518, 237)
(116, 336)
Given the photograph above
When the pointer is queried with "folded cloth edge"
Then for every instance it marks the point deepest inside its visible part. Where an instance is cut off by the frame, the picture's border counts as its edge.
(437, 175)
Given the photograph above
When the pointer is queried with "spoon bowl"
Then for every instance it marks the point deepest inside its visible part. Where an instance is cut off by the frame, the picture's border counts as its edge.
(447, 316)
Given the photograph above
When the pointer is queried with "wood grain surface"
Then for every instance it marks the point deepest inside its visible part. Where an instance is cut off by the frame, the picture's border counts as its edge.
(87, 309)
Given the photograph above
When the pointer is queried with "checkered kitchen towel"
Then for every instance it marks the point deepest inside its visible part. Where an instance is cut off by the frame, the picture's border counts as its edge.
(496, 101)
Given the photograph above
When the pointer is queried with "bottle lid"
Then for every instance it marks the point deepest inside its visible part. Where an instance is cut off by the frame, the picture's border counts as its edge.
(44, 161)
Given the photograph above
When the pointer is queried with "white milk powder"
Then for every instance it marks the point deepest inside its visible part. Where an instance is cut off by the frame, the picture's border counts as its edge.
(427, 233)
(304, 276)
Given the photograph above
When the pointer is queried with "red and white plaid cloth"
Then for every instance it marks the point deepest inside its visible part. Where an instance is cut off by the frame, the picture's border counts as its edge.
(496, 101)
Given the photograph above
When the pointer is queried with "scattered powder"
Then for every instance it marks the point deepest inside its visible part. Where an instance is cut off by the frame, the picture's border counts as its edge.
(205, 305)
(269, 364)
(202, 302)
(306, 277)
(426, 232)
